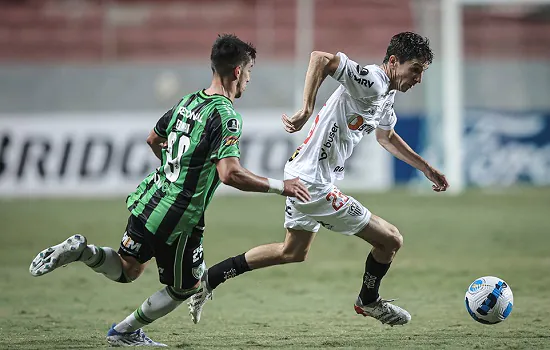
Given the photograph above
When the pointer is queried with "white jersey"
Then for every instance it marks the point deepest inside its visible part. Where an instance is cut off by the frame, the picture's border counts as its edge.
(360, 105)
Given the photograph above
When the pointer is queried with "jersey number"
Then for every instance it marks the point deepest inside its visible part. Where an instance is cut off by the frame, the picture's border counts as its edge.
(174, 152)
(338, 199)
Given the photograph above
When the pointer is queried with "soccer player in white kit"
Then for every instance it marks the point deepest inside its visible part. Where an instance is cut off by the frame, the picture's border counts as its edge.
(362, 104)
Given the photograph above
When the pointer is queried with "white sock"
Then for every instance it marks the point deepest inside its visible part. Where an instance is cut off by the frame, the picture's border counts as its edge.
(157, 305)
(103, 260)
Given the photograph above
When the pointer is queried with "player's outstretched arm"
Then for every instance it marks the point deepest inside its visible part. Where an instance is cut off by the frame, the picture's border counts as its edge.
(394, 144)
(156, 143)
(321, 64)
(233, 174)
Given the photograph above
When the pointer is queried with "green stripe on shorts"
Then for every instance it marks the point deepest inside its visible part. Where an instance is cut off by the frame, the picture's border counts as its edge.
(178, 262)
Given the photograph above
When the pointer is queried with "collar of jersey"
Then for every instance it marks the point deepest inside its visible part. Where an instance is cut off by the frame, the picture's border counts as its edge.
(204, 95)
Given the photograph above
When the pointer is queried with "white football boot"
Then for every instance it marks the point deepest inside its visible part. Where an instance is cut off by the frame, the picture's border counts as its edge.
(383, 311)
(58, 255)
(197, 300)
(135, 338)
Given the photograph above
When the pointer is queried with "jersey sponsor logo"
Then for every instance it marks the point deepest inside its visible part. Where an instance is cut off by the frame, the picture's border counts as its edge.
(362, 70)
(231, 140)
(359, 80)
(233, 125)
(130, 244)
(187, 114)
(329, 141)
(355, 123)
(358, 124)
(338, 169)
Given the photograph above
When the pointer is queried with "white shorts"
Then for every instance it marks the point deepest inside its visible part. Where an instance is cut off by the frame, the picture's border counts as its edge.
(328, 207)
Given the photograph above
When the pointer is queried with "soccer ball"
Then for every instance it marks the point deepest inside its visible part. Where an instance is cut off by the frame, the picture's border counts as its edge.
(489, 300)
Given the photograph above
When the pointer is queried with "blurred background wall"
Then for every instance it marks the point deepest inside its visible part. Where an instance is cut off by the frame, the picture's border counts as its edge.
(83, 81)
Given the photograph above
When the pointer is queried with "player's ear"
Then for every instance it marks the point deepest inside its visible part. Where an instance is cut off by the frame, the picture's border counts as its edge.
(237, 72)
(394, 61)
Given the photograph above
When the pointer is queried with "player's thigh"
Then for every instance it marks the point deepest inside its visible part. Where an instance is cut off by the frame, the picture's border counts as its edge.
(336, 211)
(379, 232)
(136, 248)
(181, 264)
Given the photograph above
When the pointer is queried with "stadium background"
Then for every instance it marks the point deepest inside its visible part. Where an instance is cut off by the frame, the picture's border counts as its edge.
(82, 82)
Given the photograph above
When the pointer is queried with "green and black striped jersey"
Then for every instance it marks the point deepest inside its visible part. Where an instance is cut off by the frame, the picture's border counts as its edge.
(199, 129)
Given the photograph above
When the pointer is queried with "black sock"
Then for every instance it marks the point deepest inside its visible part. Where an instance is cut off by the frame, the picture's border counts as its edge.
(374, 271)
(226, 269)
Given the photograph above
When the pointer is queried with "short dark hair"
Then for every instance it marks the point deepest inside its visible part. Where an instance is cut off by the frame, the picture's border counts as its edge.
(407, 46)
(229, 52)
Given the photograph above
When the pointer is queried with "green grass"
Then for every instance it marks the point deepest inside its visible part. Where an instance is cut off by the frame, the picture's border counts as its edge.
(449, 241)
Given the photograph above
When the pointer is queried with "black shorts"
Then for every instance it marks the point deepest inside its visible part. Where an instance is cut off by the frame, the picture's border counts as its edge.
(180, 264)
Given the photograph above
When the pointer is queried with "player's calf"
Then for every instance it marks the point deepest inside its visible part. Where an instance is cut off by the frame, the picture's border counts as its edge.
(386, 241)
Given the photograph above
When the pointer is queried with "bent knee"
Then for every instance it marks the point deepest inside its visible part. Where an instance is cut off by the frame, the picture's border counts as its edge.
(294, 256)
(395, 239)
(132, 268)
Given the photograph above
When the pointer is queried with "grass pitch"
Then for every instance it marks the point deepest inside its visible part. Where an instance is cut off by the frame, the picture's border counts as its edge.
(449, 241)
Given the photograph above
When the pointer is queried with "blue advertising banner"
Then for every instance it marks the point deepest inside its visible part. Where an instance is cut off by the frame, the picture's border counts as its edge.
(500, 148)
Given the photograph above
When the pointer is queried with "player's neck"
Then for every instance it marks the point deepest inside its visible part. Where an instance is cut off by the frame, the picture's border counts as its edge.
(219, 87)
(391, 75)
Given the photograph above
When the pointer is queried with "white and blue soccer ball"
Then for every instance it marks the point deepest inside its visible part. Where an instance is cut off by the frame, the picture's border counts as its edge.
(489, 300)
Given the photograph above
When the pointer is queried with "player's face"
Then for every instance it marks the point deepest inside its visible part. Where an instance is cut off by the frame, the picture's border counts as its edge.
(244, 78)
(409, 73)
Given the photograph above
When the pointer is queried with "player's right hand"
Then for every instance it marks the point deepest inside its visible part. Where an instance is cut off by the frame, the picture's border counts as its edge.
(296, 122)
(294, 188)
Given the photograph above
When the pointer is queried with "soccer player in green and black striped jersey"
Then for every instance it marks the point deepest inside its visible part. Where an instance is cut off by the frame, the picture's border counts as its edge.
(197, 142)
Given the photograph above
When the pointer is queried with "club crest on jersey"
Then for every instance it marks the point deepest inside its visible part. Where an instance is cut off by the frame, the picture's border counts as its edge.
(355, 209)
(233, 125)
(198, 271)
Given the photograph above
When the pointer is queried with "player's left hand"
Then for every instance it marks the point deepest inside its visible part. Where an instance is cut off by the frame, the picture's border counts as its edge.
(440, 183)
(296, 122)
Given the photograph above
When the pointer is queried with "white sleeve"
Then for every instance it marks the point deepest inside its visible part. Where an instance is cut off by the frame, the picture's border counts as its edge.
(388, 120)
(357, 80)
